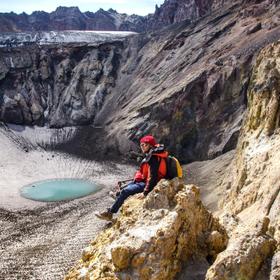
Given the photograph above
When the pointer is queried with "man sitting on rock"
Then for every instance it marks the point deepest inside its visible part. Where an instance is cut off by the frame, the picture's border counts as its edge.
(152, 170)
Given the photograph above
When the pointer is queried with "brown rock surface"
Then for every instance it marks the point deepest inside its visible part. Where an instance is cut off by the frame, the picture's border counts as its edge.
(188, 89)
(250, 211)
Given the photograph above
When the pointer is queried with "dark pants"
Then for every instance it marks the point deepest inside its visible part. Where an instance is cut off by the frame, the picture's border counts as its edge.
(129, 190)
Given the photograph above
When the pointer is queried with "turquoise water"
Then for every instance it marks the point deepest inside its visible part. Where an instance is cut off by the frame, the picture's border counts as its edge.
(58, 189)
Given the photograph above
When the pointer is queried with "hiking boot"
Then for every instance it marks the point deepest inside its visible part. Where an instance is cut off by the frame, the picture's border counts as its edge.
(106, 215)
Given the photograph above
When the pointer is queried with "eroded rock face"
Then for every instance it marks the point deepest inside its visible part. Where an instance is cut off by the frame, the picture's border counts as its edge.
(248, 248)
(253, 186)
(174, 11)
(59, 86)
(255, 176)
(152, 238)
(193, 91)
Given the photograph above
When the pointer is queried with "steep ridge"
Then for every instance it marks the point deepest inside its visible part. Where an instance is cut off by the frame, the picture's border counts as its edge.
(185, 84)
(179, 10)
(71, 18)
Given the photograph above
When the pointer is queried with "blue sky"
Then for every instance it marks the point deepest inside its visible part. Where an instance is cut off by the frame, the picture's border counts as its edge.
(140, 7)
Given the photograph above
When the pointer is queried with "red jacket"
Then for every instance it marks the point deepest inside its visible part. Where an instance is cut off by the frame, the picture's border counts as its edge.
(152, 168)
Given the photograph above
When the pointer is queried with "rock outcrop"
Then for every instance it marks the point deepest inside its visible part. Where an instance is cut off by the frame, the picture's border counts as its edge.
(253, 195)
(248, 249)
(174, 11)
(153, 238)
(255, 179)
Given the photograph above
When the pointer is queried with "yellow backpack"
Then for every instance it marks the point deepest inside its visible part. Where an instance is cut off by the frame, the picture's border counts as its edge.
(174, 168)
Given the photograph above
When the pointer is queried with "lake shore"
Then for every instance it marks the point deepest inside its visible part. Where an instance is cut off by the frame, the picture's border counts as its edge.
(42, 240)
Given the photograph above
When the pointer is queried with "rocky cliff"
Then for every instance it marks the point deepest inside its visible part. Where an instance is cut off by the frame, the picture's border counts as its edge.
(80, 77)
(185, 84)
(253, 185)
(176, 11)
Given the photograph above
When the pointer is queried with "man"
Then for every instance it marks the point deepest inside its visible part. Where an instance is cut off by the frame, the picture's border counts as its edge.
(152, 170)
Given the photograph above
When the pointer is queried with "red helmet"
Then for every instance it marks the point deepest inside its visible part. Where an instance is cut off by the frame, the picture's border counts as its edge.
(148, 139)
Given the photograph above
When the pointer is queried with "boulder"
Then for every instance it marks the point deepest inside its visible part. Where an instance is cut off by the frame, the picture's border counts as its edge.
(154, 237)
(247, 250)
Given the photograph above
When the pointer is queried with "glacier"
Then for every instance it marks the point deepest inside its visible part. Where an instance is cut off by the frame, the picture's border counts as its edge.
(12, 39)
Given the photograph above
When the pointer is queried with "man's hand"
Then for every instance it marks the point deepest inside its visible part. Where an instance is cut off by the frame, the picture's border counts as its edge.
(140, 196)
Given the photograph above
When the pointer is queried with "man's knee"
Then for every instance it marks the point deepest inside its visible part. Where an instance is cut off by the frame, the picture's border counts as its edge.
(126, 192)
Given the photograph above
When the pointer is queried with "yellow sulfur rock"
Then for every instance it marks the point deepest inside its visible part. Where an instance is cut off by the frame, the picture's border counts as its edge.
(121, 256)
(152, 237)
